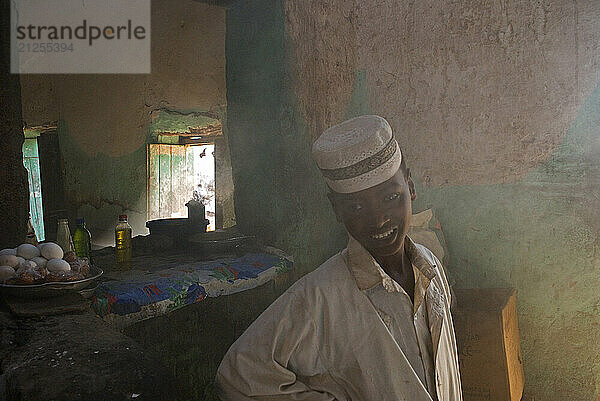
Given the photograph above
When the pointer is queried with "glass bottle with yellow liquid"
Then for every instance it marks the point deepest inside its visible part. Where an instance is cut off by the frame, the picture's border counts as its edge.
(123, 242)
(82, 240)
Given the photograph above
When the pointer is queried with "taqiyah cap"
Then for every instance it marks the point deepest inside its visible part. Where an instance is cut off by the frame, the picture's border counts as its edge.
(357, 154)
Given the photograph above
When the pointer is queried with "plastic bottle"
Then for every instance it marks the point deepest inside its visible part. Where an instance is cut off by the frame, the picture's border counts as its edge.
(63, 236)
(82, 240)
(123, 242)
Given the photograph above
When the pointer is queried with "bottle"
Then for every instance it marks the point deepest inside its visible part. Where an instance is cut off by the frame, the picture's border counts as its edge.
(123, 242)
(63, 236)
(82, 240)
(31, 237)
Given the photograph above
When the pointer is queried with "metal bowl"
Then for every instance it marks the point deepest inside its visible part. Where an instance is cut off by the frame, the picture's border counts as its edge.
(48, 290)
(218, 242)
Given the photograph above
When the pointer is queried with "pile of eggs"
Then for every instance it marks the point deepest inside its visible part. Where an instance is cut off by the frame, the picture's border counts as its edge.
(27, 257)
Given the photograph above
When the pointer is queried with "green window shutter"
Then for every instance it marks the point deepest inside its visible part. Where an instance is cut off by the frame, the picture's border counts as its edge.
(31, 161)
(168, 184)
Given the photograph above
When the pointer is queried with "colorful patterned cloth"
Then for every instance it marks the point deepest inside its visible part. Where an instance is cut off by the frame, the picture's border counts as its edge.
(142, 295)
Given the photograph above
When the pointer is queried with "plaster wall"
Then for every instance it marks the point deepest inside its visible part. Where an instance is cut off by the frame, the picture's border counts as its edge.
(496, 107)
(14, 193)
(104, 120)
(488, 88)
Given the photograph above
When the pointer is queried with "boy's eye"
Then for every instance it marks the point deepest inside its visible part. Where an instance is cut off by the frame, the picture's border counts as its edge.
(393, 196)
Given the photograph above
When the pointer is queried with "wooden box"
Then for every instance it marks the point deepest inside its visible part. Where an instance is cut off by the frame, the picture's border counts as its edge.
(487, 335)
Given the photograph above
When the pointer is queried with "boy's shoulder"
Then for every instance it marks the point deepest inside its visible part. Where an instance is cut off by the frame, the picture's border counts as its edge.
(330, 277)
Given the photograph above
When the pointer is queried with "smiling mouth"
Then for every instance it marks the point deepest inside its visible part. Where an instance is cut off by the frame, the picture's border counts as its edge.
(384, 235)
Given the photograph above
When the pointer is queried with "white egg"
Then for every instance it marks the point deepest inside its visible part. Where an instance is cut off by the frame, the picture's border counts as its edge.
(40, 261)
(58, 265)
(50, 250)
(9, 260)
(9, 251)
(27, 251)
(6, 272)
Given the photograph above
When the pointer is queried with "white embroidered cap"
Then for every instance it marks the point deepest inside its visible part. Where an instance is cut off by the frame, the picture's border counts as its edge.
(357, 154)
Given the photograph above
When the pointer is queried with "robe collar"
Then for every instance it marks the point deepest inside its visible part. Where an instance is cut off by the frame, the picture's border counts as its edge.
(368, 273)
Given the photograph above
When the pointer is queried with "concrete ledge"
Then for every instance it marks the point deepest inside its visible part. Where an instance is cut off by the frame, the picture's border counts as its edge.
(76, 357)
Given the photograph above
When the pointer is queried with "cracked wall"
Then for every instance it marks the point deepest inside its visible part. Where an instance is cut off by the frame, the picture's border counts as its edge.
(104, 120)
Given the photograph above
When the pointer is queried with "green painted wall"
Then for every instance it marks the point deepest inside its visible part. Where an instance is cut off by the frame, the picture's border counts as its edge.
(100, 187)
(279, 195)
(539, 234)
(180, 121)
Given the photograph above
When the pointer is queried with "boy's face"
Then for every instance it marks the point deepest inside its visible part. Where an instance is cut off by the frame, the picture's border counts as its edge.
(378, 217)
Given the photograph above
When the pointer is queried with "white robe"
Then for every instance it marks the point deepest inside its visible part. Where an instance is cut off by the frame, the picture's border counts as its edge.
(323, 340)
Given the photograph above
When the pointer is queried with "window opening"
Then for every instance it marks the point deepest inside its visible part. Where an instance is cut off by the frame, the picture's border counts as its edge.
(204, 179)
(174, 173)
